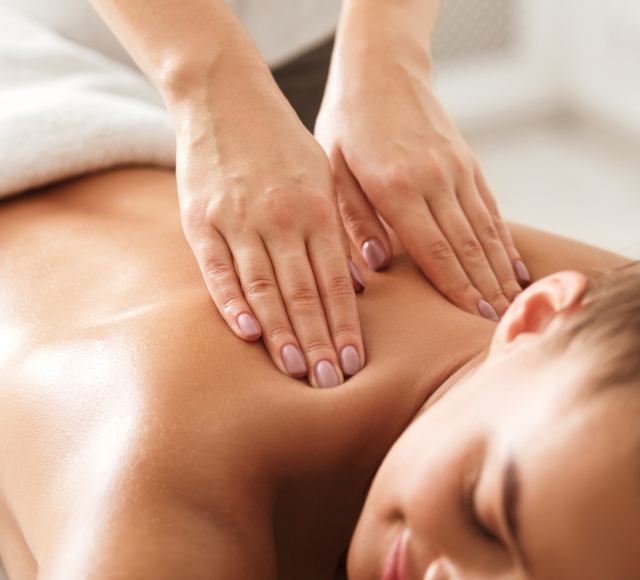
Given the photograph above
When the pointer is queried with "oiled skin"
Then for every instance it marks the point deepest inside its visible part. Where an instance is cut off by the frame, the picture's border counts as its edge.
(140, 439)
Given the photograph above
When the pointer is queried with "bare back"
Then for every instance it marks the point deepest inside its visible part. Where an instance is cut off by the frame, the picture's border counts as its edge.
(140, 437)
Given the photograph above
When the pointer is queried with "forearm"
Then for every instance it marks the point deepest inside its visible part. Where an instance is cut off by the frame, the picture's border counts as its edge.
(405, 26)
(195, 52)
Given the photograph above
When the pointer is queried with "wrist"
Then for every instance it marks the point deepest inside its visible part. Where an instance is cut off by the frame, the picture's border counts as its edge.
(374, 33)
(219, 96)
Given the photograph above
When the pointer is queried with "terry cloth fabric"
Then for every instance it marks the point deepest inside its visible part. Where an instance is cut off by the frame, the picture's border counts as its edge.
(67, 110)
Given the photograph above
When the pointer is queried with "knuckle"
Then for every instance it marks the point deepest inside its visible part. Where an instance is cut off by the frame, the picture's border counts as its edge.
(494, 212)
(345, 332)
(315, 344)
(354, 219)
(397, 178)
(280, 209)
(440, 251)
(303, 297)
(219, 209)
(230, 302)
(277, 332)
(490, 234)
(217, 270)
(496, 295)
(339, 288)
(509, 280)
(464, 294)
(322, 209)
(260, 286)
(471, 249)
(436, 169)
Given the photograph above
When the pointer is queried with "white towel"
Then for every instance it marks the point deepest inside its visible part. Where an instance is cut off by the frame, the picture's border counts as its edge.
(66, 110)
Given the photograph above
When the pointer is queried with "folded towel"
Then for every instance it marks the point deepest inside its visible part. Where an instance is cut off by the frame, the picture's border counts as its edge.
(66, 110)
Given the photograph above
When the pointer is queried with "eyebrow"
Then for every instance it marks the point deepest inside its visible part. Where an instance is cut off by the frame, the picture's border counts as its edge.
(510, 499)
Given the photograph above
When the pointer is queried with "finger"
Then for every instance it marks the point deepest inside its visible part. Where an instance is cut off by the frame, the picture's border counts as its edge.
(487, 234)
(519, 267)
(305, 310)
(263, 294)
(356, 276)
(359, 217)
(339, 302)
(217, 266)
(456, 228)
(424, 241)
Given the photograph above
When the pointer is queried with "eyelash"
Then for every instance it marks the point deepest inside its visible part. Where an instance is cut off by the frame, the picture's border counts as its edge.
(471, 516)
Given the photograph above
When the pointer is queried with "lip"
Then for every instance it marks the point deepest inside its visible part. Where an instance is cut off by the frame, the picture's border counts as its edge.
(395, 566)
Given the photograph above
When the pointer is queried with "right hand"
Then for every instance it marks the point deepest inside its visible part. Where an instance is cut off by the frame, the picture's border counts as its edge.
(259, 211)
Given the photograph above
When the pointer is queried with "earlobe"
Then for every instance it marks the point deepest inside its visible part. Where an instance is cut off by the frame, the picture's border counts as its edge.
(538, 306)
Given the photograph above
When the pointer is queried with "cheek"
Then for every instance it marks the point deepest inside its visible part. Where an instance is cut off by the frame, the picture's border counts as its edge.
(418, 487)
(431, 502)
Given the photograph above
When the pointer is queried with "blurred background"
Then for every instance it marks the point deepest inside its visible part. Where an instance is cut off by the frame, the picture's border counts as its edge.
(547, 92)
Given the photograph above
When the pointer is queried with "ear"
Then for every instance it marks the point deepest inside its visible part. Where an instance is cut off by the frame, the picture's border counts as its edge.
(549, 299)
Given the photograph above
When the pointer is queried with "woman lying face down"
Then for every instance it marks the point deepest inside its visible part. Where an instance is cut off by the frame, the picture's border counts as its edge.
(529, 466)
(141, 439)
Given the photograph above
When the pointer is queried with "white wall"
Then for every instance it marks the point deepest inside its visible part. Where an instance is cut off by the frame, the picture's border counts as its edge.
(522, 82)
(602, 60)
(577, 54)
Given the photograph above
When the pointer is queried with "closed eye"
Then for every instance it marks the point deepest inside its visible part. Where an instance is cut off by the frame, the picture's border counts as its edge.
(474, 522)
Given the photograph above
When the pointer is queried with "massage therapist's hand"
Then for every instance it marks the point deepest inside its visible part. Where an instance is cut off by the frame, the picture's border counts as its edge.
(256, 190)
(393, 150)
(258, 209)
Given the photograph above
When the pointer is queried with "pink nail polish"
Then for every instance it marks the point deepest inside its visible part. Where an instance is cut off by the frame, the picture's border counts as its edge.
(356, 274)
(248, 325)
(374, 253)
(326, 375)
(487, 311)
(293, 361)
(349, 361)
(522, 272)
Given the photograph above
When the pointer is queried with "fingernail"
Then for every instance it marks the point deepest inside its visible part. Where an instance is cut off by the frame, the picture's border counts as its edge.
(356, 274)
(248, 325)
(349, 360)
(522, 272)
(487, 311)
(374, 253)
(326, 375)
(293, 360)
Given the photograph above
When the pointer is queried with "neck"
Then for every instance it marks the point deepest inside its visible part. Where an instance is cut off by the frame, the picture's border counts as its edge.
(352, 429)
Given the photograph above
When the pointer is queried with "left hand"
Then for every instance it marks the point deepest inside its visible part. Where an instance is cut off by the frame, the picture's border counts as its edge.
(393, 150)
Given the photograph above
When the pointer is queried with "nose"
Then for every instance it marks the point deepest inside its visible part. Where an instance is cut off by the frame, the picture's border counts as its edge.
(439, 570)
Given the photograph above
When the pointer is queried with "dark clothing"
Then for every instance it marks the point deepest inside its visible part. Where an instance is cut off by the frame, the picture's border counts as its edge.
(303, 81)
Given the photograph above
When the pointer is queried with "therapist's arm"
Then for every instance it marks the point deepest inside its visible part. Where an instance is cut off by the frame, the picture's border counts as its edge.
(256, 190)
(394, 151)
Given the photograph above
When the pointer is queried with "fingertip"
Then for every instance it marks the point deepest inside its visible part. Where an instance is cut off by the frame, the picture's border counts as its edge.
(249, 326)
(326, 375)
(293, 361)
(487, 311)
(356, 276)
(374, 253)
(350, 361)
(522, 273)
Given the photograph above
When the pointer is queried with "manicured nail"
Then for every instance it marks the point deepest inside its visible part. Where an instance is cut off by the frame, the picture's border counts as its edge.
(248, 325)
(293, 360)
(522, 272)
(487, 311)
(374, 253)
(349, 360)
(326, 375)
(356, 274)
